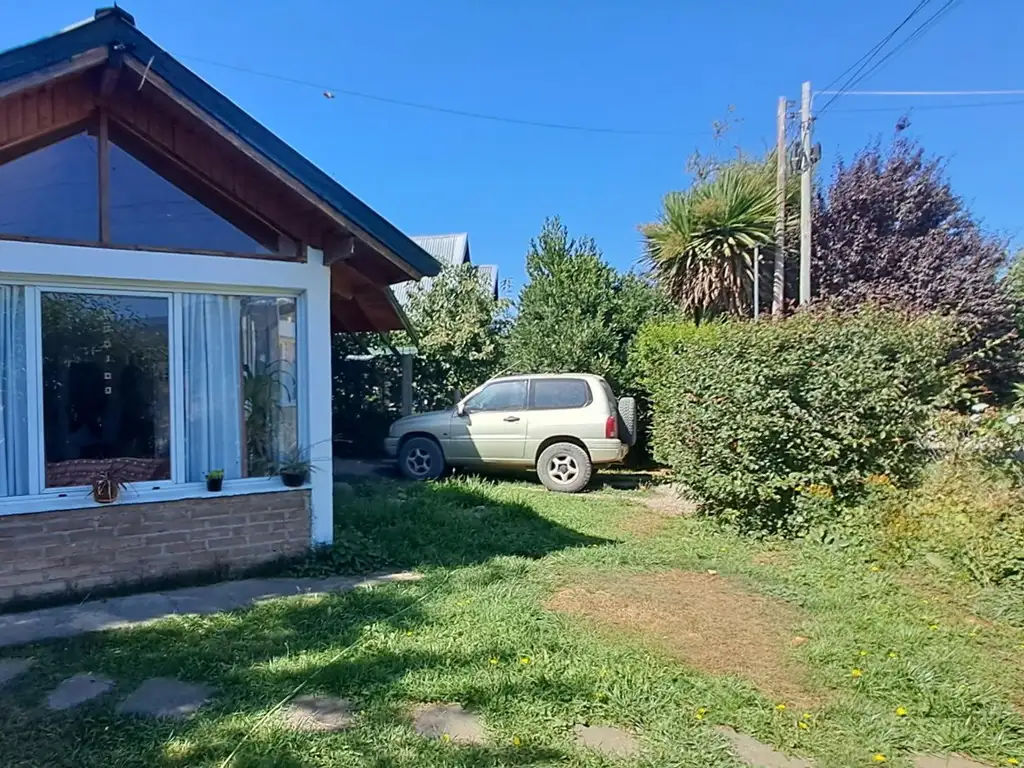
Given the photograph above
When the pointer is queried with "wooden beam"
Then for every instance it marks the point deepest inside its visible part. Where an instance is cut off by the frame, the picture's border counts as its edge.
(111, 73)
(103, 161)
(338, 249)
(83, 61)
(164, 87)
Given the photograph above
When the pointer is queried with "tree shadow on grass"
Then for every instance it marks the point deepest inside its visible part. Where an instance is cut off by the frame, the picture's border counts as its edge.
(386, 524)
(347, 645)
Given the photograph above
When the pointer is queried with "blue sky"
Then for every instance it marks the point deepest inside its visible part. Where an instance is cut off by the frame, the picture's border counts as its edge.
(652, 65)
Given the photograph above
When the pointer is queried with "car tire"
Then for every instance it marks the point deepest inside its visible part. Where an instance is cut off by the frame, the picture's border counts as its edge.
(627, 420)
(564, 468)
(420, 458)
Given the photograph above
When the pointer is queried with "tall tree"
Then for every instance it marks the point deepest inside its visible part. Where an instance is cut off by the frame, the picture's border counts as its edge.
(701, 249)
(890, 230)
(576, 312)
(461, 333)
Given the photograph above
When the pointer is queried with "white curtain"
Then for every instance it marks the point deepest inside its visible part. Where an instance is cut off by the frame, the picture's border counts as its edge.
(213, 382)
(13, 393)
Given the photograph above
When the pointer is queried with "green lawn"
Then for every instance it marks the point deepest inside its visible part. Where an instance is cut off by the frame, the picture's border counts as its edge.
(476, 630)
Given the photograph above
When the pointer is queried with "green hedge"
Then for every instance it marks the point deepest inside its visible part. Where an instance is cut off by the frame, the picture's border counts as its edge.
(771, 423)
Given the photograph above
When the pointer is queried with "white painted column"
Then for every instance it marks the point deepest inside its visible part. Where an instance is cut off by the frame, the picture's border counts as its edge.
(319, 419)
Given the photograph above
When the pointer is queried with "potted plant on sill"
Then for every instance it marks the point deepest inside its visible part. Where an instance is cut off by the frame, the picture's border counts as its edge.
(108, 484)
(295, 469)
(215, 480)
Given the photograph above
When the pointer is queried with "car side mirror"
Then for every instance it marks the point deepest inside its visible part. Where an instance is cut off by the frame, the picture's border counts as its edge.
(460, 409)
(457, 395)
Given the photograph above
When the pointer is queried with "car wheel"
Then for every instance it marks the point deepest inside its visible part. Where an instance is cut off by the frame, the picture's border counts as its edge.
(564, 467)
(420, 458)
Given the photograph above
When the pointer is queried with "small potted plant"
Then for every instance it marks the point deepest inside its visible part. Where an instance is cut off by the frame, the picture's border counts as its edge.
(215, 480)
(295, 469)
(108, 484)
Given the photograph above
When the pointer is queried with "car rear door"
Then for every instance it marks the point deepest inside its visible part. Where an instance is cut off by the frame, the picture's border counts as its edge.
(492, 427)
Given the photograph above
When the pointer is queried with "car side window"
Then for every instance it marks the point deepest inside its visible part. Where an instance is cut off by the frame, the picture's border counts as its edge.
(499, 396)
(548, 394)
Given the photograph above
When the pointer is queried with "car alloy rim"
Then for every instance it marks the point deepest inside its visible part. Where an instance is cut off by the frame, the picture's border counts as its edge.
(418, 461)
(563, 469)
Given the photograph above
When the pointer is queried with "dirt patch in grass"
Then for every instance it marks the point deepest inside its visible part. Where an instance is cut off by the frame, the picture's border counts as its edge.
(668, 501)
(703, 620)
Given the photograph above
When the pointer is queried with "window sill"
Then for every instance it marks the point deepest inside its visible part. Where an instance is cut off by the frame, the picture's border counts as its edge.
(81, 498)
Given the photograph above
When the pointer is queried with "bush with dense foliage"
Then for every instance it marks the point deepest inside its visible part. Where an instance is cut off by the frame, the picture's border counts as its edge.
(461, 333)
(890, 230)
(577, 313)
(770, 423)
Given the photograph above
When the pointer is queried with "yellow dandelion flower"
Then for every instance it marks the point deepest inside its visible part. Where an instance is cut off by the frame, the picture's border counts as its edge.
(699, 714)
(408, 632)
(803, 724)
(780, 707)
(933, 626)
(901, 711)
(494, 659)
(524, 660)
(864, 653)
(1012, 761)
(807, 716)
(893, 655)
(516, 741)
(879, 757)
(875, 568)
(855, 672)
(445, 737)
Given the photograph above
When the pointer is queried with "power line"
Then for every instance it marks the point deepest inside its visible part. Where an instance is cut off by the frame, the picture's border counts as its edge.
(932, 107)
(864, 60)
(915, 35)
(330, 91)
(928, 93)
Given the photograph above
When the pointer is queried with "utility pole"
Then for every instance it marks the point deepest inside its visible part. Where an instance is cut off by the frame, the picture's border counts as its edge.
(757, 281)
(779, 276)
(806, 166)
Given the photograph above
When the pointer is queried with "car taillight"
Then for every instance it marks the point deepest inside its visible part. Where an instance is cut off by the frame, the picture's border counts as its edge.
(611, 428)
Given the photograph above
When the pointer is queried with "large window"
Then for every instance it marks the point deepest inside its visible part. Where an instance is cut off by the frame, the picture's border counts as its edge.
(105, 381)
(144, 200)
(161, 387)
(240, 380)
(14, 409)
(499, 396)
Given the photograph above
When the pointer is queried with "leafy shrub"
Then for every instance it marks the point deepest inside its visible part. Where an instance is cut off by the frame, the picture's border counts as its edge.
(774, 422)
(965, 520)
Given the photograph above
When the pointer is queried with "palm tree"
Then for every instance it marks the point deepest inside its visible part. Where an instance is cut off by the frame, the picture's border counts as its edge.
(701, 249)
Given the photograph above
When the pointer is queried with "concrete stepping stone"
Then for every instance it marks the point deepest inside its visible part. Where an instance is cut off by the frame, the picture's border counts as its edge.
(758, 754)
(319, 713)
(945, 761)
(12, 668)
(77, 690)
(164, 697)
(606, 739)
(448, 722)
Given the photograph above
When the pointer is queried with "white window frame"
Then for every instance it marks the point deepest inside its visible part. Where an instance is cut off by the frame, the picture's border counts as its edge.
(49, 267)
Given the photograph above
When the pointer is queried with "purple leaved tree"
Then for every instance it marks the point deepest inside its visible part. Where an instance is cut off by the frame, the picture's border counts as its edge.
(889, 230)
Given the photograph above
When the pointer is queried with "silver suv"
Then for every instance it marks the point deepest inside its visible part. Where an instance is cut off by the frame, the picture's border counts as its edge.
(563, 424)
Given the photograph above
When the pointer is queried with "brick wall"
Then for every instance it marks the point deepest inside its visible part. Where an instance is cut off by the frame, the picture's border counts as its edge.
(83, 549)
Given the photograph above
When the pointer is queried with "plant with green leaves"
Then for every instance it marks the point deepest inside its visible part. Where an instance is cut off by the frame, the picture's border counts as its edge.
(460, 334)
(773, 424)
(701, 249)
(577, 313)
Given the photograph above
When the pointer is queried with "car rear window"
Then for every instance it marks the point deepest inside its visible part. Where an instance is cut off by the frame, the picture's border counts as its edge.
(559, 393)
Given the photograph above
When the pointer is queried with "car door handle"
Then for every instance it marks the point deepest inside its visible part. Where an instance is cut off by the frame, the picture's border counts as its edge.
(511, 418)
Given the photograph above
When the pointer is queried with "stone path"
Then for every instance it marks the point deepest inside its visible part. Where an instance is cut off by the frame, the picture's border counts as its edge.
(758, 754)
(319, 713)
(12, 668)
(77, 690)
(448, 722)
(607, 740)
(945, 761)
(119, 612)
